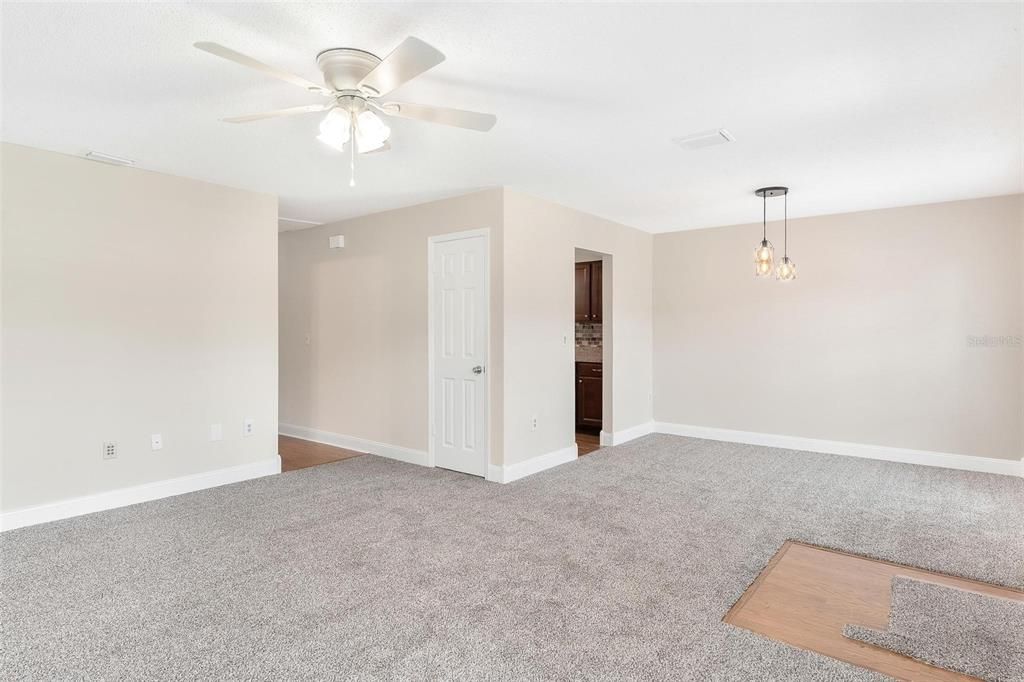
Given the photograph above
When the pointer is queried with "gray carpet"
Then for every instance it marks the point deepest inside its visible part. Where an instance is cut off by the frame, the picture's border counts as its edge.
(619, 565)
(954, 629)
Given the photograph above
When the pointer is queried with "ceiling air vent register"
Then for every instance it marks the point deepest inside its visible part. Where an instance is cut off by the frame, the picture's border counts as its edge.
(708, 138)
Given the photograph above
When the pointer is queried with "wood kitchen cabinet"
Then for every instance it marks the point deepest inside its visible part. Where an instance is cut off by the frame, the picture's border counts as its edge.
(588, 292)
(588, 394)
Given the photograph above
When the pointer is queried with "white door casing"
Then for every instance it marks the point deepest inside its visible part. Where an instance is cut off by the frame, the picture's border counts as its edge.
(458, 329)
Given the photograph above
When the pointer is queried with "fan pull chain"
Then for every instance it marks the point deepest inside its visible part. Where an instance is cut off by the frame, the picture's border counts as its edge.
(352, 151)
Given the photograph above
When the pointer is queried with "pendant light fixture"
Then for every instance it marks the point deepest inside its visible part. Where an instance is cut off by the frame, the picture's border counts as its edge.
(787, 268)
(764, 254)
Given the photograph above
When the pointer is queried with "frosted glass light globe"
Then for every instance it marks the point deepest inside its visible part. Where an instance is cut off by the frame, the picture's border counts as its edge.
(371, 132)
(334, 129)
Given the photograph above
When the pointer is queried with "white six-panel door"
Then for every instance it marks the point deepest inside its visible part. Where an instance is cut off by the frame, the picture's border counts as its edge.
(458, 321)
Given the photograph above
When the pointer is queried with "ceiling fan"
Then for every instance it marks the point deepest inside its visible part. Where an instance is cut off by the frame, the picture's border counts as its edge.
(355, 80)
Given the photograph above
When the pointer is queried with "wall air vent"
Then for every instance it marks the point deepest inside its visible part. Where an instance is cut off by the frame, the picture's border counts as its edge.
(708, 138)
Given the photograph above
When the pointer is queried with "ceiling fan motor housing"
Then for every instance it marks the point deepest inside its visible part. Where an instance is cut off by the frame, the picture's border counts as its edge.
(345, 67)
(353, 104)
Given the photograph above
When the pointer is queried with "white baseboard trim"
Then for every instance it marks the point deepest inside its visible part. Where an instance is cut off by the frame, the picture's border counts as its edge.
(122, 497)
(946, 460)
(398, 452)
(513, 472)
(626, 435)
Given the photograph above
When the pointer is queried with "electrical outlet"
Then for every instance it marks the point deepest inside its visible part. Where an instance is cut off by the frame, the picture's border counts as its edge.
(157, 441)
(216, 432)
(110, 450)
(249, 427)
(533, 423)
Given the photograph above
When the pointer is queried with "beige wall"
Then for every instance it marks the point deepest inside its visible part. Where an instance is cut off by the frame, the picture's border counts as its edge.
(364, 309)
(133, 303)
(540, 242)
(869, 345)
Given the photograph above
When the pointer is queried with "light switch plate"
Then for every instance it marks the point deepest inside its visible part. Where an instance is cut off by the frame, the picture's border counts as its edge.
(249, 427)
(157, 441)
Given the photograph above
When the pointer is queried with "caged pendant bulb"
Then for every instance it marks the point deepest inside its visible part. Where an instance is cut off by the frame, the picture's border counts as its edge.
(764, 258)
(786, 270)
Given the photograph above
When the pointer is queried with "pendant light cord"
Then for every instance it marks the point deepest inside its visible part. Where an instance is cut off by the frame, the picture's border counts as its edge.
(764, 217)
(785, 229)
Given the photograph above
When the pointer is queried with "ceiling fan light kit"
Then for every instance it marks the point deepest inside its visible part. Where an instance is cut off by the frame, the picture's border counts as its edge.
(355, 80)
(764, 253)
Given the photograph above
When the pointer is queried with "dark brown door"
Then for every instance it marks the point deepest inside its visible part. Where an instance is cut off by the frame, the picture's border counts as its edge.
(595, 291)
(588, 394)
(583, 292)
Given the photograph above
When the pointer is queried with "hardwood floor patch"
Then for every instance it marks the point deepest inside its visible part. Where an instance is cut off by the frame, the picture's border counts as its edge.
(587, 443)
(299, 454)
(806, 594)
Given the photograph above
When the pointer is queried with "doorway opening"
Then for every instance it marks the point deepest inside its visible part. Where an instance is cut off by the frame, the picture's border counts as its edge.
(592, 358)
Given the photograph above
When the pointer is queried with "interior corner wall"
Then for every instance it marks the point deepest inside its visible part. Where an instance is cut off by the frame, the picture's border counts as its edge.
(903, 329)
(354, 322)
(1020, 269)
(134, 303)
(540, 242)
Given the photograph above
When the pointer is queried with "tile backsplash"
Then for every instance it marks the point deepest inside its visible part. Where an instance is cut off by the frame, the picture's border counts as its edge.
(588, 334)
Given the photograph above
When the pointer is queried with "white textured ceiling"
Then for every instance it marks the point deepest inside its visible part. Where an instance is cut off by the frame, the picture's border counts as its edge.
(853, 106)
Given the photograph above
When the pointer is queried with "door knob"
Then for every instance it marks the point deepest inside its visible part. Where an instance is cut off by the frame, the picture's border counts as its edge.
(478, 369)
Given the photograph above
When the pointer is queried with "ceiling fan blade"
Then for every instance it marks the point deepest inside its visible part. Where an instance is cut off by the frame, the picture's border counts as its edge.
(290, 111)
(245, 60)
(405, 62)
(449, 117)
